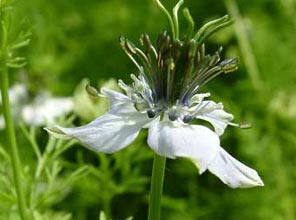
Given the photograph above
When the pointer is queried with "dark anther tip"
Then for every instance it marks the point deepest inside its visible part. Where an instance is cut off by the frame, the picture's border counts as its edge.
(173, 117)
(187, 118)
(151, 113)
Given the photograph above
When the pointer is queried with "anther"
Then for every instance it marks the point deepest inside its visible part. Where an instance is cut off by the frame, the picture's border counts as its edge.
(140, 106)
(170, 64)
(215, 58)
(161, 37)
(245, 125)
(187, 118)
(229, 65)
(163, 42)
(173, 116)
(176, 49)
(151, 113)
(145, 41)
(131, 48)
(202, 50)
(126, 45)
(91, 91)
(122, 42)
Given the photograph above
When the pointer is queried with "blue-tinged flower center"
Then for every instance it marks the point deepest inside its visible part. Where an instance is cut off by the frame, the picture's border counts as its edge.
(171, 73)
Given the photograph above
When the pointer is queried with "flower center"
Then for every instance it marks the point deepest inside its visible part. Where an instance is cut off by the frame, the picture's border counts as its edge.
(171, 73)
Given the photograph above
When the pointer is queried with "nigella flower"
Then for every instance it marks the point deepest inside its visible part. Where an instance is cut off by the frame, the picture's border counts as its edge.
(165, 97)
(46, 109)
(43, 110)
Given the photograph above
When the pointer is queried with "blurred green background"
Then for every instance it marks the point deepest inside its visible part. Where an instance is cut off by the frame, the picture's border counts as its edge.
(72, 40)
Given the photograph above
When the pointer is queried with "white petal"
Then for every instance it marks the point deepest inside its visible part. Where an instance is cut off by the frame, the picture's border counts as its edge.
(17, 93)
(115, 98)
(108, 133)
(182, 140)
(232, 172)
(46, 110)
(214, 113)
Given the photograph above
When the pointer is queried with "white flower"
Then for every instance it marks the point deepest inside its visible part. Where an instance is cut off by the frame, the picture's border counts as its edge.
(43, 110)
(17, 94)
(46, 109)
(165, 98)
(119, 127)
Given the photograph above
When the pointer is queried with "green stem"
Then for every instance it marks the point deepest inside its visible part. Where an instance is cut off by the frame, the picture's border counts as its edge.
(156, 187)
(16, 164)
(245, 45)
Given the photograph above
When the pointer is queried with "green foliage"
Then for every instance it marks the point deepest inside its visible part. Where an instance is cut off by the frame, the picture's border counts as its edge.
(72, 40)
(46, 179)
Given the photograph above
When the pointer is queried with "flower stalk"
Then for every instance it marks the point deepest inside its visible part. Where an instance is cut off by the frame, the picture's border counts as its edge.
(156, 187)
(15, 160)
(6, 60)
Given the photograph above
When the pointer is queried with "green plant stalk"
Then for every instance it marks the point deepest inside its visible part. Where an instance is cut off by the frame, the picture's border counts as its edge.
(15, 160)
(156, 187)
(245, 45)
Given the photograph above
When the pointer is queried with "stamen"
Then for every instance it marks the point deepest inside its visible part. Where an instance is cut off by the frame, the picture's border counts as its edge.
(209, 75)
(202, 51)
(189, 68)
(199, 80)
(175, 69)
(199, 106)
(192, 48)
(173, 116)
(145, 41)
(141, 106)
(172, 113)
(163, 42)
(130, 47)
(176, 48)
(170, 78)
(151, 113)
(245, 125)
(242, 125)
(229, 65)
(187, 118)
(163, 46)
(215, 58)
(128, 50)
(143, 58)
(91, 91)
(198, 58)
(126, 88)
